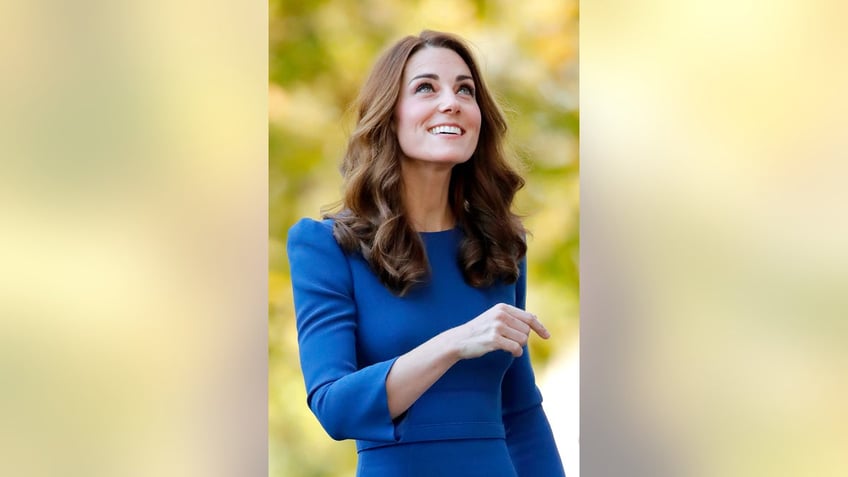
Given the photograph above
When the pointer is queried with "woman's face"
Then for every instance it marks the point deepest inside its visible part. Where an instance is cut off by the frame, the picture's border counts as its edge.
(437, 118)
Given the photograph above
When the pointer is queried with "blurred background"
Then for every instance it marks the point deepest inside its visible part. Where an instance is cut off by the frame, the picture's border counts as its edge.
(319, 55)
(714, 312)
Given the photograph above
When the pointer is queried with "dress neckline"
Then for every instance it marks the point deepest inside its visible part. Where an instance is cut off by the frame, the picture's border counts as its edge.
(438, 232)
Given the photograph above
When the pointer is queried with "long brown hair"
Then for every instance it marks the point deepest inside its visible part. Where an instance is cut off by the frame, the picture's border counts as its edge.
(372, 219)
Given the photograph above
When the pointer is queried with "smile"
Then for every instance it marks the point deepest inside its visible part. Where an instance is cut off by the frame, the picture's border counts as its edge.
(454, 130)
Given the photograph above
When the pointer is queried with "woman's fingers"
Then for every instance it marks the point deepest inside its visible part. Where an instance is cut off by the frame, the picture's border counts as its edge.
(509, 346)
(517, 324)
(528, 318)
(539, 328)
(515, 335)
(503, 327)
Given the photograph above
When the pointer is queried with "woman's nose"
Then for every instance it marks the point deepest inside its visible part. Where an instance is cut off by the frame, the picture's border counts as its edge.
(449, 103)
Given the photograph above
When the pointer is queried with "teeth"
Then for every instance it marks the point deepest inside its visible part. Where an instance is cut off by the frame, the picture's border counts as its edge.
(445, 130)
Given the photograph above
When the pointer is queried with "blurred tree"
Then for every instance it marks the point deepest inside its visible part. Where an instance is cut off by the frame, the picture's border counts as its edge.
(319, 54)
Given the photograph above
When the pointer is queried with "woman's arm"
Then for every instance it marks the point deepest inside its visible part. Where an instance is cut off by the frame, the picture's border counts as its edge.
(528, 434)
(501, 327)
(350, 402)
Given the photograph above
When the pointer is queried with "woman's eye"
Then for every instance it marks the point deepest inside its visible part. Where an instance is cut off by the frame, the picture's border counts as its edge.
(424, 88)
(465, 89)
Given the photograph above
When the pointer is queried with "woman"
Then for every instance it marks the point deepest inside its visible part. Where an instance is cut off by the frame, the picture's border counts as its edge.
(409, 301)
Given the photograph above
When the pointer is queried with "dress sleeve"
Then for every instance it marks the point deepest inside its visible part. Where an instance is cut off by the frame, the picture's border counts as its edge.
(528, 433)
(350, 403)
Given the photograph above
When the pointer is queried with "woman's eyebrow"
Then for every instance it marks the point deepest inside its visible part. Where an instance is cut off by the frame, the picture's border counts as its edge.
(436, 77)
(425, 75)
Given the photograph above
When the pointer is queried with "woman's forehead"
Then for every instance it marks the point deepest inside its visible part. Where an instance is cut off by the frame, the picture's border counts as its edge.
(436, 60)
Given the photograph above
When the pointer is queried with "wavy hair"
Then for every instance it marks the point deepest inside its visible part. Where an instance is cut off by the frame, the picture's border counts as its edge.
(372, 219)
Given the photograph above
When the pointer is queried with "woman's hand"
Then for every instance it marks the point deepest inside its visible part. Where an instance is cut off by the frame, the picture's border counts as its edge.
(502, 327)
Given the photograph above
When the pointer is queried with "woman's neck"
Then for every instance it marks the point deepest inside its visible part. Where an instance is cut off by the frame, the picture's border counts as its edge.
(426, 196)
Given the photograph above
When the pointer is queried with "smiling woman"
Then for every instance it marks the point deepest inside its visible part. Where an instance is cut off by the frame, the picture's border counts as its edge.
(389, 198)
(412, 296)
(437, 117)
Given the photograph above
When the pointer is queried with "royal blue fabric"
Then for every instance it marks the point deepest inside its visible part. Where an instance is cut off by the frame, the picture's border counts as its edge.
(482, 413)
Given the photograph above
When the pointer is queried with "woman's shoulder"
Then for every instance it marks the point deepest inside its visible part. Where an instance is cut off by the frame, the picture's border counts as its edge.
(313, 234)
(313, 238)
(309, 227)
(314, 254)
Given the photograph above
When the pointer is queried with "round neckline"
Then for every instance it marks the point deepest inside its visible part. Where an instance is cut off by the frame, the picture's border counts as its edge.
(438, 232)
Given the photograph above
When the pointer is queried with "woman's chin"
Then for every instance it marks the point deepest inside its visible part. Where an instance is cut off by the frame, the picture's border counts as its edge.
(450, 160)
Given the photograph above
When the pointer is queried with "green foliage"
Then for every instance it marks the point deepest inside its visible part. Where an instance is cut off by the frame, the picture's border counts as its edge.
(319, 54)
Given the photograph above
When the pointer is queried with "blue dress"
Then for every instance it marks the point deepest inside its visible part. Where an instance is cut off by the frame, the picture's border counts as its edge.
(482, 418)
